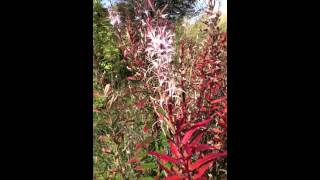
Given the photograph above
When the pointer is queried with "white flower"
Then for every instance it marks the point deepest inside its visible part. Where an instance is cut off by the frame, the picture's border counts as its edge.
(146, 12)
(114, 17)
(160, 44)
(164, 15)
(173, 89)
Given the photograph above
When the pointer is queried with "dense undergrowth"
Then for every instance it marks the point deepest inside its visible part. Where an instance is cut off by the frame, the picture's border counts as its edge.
(159, 110)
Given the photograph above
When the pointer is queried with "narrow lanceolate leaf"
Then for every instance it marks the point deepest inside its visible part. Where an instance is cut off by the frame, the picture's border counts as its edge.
(161, 111)
(175, 177)
(183, 126)
(188, 135)
(206, 159)
(138, 168)
(202, 123)
(151, 4)
(218, 100)
(168, 171)
(133, 160)
(197, 139)
(164, 157)
(131, 78)
(201, 178)
(151, 165)
(214, 107)
(174, 149)
(202, 170)
(146, 178)
(202, 147)
(188, 151)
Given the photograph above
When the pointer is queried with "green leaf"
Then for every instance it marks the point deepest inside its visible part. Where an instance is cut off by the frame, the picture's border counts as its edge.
(141, 154)
(146, 178)
(150, 165)
(157, 146)
(118, 177)
(164, 141)
(161, 111)
(169, 165)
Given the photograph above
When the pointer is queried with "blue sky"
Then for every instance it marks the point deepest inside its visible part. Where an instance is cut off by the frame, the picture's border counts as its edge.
(223, 5)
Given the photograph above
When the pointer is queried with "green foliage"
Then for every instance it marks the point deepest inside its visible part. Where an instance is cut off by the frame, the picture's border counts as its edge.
(150, 165)
(223, 23)
(177, 9)
(197, 32)
(146, 178)
(106, 52)
(117, 131)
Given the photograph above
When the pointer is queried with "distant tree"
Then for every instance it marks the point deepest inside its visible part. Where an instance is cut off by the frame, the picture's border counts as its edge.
(177, 8)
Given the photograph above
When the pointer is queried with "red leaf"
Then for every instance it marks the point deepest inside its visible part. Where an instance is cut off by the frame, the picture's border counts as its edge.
(165, 169)
(146, 128)
(175, 177)
(138, 168)
(219, 114)
(197, 139)
(205, 159)
(138, 146)
(202, 178)
(222, 124)
(202, 123)
(216, 130)
(218, 100)
(140, 104)
(183, 126)
(207, 96)
(133, 160)
(202, 147)
(202, 170)
(174, 149)
(188, 135)
(131, 78)
(217, 139)
(164, 157)
(188, 151)
(203, 109)
(214, 107)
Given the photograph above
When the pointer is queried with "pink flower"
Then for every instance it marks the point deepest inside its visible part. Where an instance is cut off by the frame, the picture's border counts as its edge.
(114, 17)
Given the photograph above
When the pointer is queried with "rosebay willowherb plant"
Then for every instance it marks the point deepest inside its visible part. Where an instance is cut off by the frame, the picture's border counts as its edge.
(187, 89)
